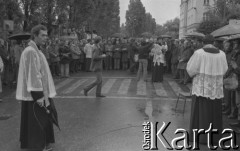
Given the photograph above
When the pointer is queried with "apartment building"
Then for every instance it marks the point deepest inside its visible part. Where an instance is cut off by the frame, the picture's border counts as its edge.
(192, 13)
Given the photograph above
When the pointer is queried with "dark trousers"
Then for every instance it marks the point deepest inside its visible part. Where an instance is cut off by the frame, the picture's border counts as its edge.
(142, 68)
(55, 68)
(174, 70)
(108, 63)
(184, 77)
(229, 97)
(133, 65)
(97, 82)
(117, 63)
(15, 72)
(73, 66)
(88, 63)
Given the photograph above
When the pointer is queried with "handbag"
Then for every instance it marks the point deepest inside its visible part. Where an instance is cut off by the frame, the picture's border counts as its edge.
(231, 82)
(136, 58)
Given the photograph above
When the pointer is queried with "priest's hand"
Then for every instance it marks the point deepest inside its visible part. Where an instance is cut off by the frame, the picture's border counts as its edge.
(40, 102)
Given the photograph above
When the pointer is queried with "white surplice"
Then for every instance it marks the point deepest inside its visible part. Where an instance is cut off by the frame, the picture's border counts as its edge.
(34, 74)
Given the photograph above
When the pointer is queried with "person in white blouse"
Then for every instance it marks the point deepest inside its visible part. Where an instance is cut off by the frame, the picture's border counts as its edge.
(88, 50)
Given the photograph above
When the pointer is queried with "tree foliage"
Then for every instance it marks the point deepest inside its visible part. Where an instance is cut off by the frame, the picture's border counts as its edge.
(171, 28)
(99, 15)
(137, 20)
(10, 10)
(225, 10)
(220, 14)
(207, 27)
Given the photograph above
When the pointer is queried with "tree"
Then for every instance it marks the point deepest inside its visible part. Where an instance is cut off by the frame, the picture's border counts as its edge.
(220, 14)
(207, 27)
(106, 19)
(135, 18)
(225, 10)
(171, 28)
(150, 24)
(10, 10)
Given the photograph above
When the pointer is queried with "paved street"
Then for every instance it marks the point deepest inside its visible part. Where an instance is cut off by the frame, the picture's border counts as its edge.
(113, 123)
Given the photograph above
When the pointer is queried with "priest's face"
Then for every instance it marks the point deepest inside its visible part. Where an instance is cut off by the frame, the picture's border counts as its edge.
(41, 39)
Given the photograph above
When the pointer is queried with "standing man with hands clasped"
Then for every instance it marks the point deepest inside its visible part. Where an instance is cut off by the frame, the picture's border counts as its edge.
(96, 66)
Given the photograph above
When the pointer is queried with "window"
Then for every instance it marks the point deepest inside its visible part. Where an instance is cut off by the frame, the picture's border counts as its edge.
(206, 2)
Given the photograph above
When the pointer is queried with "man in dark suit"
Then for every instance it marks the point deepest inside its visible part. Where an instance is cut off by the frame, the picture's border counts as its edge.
(96, 66)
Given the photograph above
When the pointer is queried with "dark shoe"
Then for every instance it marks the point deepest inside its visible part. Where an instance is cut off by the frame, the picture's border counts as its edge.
(237, 124)
(100, 96)
(85, 92)
(232, 116)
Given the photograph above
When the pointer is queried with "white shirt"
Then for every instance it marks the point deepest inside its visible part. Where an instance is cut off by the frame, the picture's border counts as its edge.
(88, 50)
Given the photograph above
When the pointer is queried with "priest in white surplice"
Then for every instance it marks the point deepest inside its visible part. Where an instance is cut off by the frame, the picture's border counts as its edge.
(35, 88)
(207, 66)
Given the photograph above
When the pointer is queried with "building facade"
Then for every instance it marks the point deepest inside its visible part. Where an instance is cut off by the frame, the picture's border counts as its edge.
(192, 13)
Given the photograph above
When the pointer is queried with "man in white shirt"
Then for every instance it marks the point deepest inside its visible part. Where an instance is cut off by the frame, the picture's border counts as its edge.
(88, 49)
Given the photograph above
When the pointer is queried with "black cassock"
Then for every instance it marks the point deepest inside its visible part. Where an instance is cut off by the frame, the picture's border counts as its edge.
(36, 130)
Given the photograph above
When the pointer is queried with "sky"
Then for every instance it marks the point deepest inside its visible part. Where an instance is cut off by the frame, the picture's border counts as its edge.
(161, 10)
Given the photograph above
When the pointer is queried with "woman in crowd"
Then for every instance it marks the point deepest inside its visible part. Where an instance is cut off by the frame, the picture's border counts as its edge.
(229, 95)
(207, 66)
(55, 59)
(109, 54)
(17, 51)
(82, 58)
(235, 66)
(1, 70)
(65, 58)
(132, 53)
(75, 53)
(124, 54)
(185, 54)
(174, 59)
(158, 61)
(88, 50)
(117, 54)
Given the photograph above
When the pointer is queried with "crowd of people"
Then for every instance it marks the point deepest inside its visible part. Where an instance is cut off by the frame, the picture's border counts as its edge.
(137, 56)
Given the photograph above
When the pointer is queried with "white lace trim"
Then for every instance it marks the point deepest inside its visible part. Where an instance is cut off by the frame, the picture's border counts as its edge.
(209, 86)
